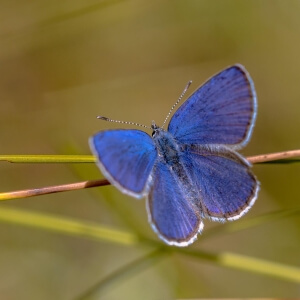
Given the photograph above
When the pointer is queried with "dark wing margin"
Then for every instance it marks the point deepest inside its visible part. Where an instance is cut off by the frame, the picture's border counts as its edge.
(221, 111)
(126, 158)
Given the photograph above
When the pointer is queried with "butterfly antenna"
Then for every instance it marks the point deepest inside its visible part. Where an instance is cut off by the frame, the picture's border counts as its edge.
(174, 105)
(122, 122)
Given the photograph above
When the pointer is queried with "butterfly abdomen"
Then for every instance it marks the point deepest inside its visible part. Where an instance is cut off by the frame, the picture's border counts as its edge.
(170, 154)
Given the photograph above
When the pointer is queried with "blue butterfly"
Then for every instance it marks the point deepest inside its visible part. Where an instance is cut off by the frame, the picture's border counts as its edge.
(192, 170)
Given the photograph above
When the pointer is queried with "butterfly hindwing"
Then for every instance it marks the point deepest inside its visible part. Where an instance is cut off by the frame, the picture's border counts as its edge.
(227, 188)
(221, 111)
(126, 158)
(171, 213)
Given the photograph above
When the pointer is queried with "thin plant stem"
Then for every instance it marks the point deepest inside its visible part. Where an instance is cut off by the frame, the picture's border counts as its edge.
(273, 156)
(48, 158)
(52, 189)
(96, 183)
(91, 159)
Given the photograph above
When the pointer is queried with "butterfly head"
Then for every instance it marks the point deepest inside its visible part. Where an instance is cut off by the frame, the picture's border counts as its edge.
(156, 130)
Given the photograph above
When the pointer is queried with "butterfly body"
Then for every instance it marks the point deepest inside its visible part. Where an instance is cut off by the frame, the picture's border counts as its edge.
(190, 171)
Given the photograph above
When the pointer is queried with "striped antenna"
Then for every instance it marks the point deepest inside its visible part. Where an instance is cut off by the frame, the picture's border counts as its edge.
(179, 99)
(122, 122)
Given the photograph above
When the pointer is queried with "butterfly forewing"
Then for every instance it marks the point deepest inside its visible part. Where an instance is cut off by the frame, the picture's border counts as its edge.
(222, 111)
(126, 158)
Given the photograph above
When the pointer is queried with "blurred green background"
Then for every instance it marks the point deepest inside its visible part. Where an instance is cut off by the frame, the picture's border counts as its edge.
(64, 62)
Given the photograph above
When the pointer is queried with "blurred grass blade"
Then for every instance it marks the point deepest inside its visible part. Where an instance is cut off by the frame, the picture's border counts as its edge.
(250, 264)
(260, 266)
(103, 233)
(249, 223)
(121, 274)
(67, 226)
(48, 158)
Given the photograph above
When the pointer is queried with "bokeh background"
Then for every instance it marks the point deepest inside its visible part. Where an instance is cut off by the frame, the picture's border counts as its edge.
(64, 62)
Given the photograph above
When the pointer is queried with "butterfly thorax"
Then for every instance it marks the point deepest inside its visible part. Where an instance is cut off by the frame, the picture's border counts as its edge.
(166, 145)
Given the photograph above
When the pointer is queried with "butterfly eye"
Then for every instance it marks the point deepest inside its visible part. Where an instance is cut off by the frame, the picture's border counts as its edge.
(156, 132)
(155, 129)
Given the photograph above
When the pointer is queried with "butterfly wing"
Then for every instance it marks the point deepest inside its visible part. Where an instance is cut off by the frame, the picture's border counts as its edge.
(221, 111)
(171, 213)
(226, 186)
(126, 158)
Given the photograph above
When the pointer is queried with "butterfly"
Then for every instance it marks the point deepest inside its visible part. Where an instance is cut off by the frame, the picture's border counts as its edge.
(191, 171)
